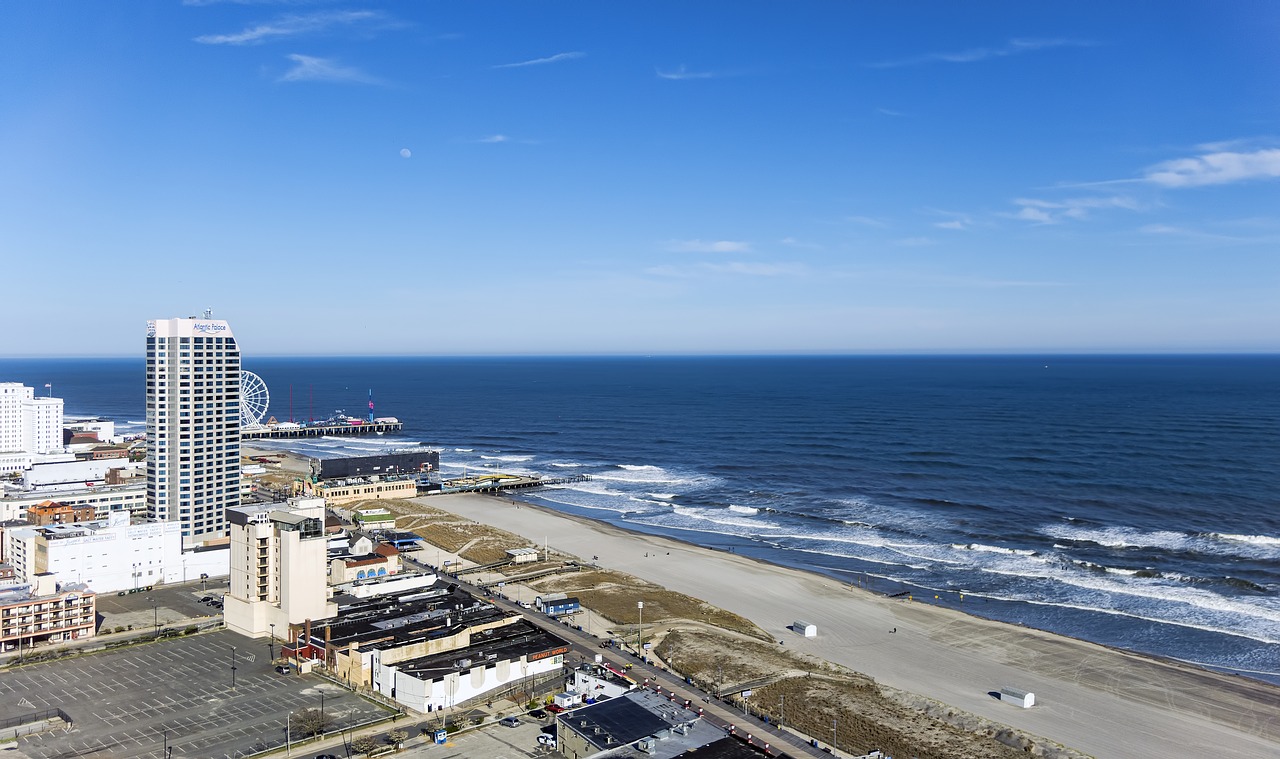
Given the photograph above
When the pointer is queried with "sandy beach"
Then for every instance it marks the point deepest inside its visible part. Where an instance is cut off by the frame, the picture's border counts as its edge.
(1101, 701)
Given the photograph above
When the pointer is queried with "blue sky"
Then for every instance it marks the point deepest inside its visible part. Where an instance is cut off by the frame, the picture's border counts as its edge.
(659, 177)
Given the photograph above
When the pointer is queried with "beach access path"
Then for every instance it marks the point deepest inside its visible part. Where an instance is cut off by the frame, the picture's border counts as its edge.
(1094, 699)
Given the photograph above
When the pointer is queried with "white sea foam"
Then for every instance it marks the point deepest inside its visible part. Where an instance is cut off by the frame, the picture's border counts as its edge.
(743, 509)
(464, 450)
(508, 457)
(1260, 540)
(715, 517)
(565, 465)
(663, 496)
(1250, 546)
(993, 549)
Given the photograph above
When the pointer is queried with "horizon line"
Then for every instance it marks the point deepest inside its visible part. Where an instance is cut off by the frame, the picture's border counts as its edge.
(796, 354)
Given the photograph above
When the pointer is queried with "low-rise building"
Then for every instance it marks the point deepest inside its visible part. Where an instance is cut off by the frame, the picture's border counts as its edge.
(52, 512)
(639, 723)
(494, 659)
(106, 556)
(595, 680)
(130, 498)
(43, 612)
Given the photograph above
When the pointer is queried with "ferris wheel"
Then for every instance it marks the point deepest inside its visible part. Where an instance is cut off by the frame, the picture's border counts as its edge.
(254, 399)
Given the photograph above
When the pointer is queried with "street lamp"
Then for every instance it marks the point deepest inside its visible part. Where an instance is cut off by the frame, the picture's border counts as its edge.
(271, 647)
(233, 668)
(155, 617)
(640, 630)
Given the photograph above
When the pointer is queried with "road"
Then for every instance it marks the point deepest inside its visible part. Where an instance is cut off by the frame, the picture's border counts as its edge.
(716, 712)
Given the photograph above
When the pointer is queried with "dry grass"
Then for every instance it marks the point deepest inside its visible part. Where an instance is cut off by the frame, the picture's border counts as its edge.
(613, 595)
(811, 694)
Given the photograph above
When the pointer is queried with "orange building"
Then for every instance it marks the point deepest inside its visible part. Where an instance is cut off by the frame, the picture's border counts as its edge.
(51, 512)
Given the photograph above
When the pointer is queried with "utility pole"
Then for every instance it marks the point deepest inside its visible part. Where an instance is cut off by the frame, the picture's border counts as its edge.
(271, 647)
(782, 710)
(640, 631)
(233, 668)
(833, 734)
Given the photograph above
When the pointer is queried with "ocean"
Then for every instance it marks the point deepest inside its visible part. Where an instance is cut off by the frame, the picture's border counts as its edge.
(1127, 500)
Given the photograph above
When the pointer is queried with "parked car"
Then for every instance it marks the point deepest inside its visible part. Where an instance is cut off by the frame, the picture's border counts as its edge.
(538, 714)
(284, 669)
(509, 721)
(555, 708)
(546, 740)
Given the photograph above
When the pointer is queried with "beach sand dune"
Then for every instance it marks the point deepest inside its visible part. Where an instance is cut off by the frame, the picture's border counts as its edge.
(1101, 701)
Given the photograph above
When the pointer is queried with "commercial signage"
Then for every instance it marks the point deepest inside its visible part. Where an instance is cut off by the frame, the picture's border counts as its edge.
(209, 327)
(551, 652)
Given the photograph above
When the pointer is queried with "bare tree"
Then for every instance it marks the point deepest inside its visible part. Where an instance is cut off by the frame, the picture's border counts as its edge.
(309, 722)
(365, 744)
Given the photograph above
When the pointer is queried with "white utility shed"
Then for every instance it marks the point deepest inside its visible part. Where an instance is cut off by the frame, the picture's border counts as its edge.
(804, 628)
(1025, 699)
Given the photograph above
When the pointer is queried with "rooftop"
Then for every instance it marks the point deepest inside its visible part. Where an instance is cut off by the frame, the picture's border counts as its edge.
(506, 643)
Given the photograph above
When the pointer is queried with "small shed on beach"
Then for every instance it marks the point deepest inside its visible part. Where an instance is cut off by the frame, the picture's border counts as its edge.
(804, 628)
(1025, 699)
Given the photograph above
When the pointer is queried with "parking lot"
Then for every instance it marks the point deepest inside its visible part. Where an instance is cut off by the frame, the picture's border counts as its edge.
(493, 742)
(132, 702)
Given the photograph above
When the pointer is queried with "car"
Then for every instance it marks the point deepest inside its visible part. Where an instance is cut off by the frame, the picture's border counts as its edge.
(326, 756)
(509, 721)
(284, 669)
(206, 599)
(555, 708)
(546, 740)
(538, 714)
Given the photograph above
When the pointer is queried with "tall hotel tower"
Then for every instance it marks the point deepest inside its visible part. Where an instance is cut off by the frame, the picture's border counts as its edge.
(193, 425)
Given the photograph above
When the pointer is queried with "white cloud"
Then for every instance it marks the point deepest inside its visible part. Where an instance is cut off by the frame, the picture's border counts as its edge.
(310, 69)
(540, 61)
(683, 73)
(702, 246)
(494, 138)
(1071, 209)
(1222, 167)
(792, 242)
(889, 112)
(737, 268)
(291, 26)
(406, 153)
(973, 55)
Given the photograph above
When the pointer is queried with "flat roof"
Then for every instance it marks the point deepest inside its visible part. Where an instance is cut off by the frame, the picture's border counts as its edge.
(391, 620)
(628, 718)
(506, 643)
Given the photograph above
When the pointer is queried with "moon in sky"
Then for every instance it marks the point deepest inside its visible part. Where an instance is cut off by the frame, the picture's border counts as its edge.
(405, 153)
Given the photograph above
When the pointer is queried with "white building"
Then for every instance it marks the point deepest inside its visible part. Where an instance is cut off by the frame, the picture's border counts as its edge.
(107, 556)
(193, 425)
(29, 426)
(42, 425)
(278, 558)
(106, 500)
(12, 396)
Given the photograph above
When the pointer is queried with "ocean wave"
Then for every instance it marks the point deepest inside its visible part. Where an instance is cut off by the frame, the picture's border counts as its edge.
(1221, 544)
(663, 496)
(743, 509)
(980, 547)
(510, 457)
(464, 450)
(1260, 540)
(707, 515)
(565, 465)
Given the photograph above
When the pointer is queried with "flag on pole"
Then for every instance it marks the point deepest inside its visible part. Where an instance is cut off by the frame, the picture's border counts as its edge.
(47, 385)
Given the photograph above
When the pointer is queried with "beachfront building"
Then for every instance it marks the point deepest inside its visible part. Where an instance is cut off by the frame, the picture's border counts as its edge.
(105, 556)
(596, 680)
(639, 722)
(193, 425)
(30, 426)
(497, 662)
(43, 612)
(278, 577)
